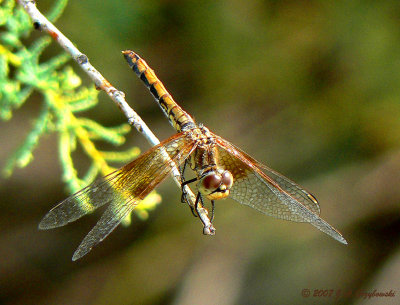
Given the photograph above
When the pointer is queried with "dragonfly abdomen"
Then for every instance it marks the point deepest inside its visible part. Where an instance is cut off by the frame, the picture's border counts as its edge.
(179, 119)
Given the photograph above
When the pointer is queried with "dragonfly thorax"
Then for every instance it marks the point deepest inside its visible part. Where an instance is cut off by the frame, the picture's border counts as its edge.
(215, 184)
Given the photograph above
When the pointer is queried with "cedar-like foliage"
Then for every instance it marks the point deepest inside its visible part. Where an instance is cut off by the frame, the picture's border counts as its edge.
(63, 97)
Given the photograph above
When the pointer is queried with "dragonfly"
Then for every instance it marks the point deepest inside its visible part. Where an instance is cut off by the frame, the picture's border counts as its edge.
(221, 170)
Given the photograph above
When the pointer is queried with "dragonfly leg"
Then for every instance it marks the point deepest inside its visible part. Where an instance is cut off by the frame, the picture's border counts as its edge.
(183, 183)
(192, 209)
(183, 197)
(183, 171)
(196, 204)
(212, 211)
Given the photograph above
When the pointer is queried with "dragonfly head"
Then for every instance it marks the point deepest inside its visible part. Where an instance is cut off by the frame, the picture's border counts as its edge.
(216, 184)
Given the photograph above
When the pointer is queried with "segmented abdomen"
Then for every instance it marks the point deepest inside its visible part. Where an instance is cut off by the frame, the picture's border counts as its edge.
(176, 115)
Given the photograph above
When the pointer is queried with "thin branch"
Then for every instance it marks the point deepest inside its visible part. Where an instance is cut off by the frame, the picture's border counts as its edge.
(40, 22)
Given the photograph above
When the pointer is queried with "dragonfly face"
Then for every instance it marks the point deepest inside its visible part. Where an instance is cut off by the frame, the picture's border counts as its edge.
(221, 168)
(215, 184)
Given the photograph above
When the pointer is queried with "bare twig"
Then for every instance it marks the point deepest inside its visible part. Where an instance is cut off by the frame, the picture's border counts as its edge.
(41, 22)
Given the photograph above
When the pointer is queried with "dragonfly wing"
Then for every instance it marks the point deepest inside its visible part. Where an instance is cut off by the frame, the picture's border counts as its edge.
(123, 188)
(271, 194)
(81, 203)
(110, 219)
(292, 188)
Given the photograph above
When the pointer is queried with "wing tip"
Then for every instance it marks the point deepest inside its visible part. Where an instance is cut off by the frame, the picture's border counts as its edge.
(47, 222)
(78, 254)
(342, 240)
(86, 246)
(52, 220)
(337, 236)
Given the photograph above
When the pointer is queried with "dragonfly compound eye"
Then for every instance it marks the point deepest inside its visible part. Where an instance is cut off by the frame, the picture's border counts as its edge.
(211, 182)
(227, 179)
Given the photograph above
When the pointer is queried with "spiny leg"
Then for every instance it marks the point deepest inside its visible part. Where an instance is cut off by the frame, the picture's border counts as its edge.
(183, 183)
(212, 211)
(183, 171)
(183, 197)
(196, 204)
(192, 209)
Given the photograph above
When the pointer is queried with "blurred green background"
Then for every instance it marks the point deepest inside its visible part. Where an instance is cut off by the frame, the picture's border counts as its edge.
(311, 88)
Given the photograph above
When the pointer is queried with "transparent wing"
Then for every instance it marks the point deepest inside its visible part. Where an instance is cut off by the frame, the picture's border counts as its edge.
(271, 193)
(292, 188)
(123, 189)
(110, 219)
(95, 195)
